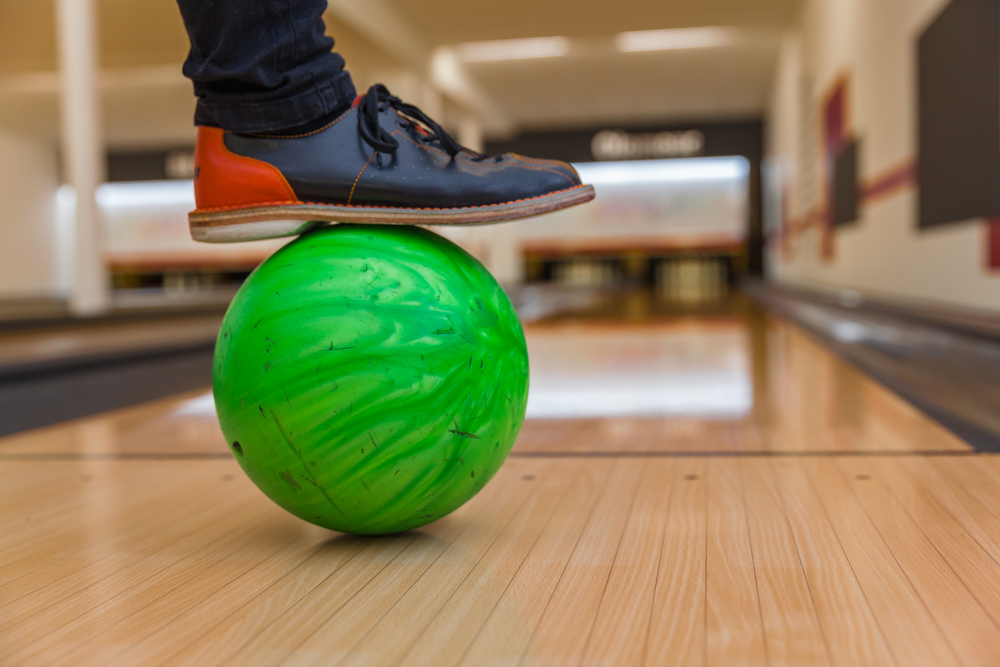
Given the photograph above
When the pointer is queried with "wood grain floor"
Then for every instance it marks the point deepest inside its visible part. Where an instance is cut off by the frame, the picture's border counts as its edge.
(828, 524)
(799, 398)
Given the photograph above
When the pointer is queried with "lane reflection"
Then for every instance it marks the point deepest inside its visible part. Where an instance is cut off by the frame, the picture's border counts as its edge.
(727, 380)
(580, 371)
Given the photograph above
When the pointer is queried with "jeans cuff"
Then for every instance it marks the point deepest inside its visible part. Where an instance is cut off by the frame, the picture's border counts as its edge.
(277, 115)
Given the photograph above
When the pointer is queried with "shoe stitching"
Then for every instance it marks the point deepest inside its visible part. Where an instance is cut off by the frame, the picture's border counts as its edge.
(358, 177)
(456, 158)
(487, 166)
(256, 163)
(523, 166)
(296, 202)
(277, 172)
(538, 160)
(426, 148)
(554, 163)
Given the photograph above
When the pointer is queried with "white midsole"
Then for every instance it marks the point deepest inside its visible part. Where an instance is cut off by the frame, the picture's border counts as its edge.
(263, 222)
(253, 231)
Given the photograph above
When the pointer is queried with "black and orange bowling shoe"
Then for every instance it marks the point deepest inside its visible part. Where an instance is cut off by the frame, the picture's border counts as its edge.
(380, 162)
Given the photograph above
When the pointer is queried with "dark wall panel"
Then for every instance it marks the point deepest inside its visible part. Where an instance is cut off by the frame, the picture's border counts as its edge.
(744, 138)
(959, 113)
(845, 185)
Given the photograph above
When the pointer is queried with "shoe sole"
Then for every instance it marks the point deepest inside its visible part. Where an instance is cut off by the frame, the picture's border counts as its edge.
(268, 222)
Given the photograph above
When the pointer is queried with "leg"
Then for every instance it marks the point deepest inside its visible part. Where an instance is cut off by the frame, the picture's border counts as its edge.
(285, 146)
(263, 65)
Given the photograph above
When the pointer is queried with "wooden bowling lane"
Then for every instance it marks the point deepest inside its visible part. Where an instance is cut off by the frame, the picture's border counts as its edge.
(709, 385)
(182, 426)
(698, 386)
(860, 560)
(757, 502)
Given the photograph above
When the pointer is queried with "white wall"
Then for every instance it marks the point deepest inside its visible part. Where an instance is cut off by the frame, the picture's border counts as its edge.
(873, 43)
(29, 264)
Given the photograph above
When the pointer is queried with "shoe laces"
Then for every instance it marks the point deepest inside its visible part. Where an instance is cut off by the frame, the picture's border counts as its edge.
(378, 99)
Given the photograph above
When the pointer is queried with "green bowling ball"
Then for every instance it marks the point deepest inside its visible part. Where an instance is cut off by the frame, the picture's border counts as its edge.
(370, 379)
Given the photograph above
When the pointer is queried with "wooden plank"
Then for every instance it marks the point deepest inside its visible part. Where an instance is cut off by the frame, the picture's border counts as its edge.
(335, 602)
(67, 521)
(65, 581)
(963, 541)
(566, 623)
(584, 557)
(852, 633)
(406, 618)
(908, 626)
(623, 617)
(269, 627)
(174, 604)
(985, 479)
(554, 435)
(962, 487)
(792, 629)
(972, 634)
(118, 616)
(677, 617)
(103, 541)
(505, 635)
(445, 640)
(733, 625)
(325, 625)
(373, 557)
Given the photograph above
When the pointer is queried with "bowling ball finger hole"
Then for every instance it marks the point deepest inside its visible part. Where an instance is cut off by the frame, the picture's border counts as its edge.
(238, 448)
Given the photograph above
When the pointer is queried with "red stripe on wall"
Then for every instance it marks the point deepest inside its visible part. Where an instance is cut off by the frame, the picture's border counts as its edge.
(993, 244)
(894, 180)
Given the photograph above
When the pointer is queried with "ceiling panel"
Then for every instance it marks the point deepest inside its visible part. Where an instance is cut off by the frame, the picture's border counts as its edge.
(451, 21)
(609, 87)
(593, 84)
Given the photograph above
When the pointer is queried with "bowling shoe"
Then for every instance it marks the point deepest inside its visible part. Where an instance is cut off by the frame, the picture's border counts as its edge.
(380, 162)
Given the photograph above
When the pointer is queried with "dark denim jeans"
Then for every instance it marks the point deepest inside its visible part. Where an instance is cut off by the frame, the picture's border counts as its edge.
(262, 65)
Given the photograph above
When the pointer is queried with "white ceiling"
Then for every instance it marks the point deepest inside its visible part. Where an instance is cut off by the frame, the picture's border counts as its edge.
(592, 84)
(450, 21)
(601, 85)
(595, 84)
